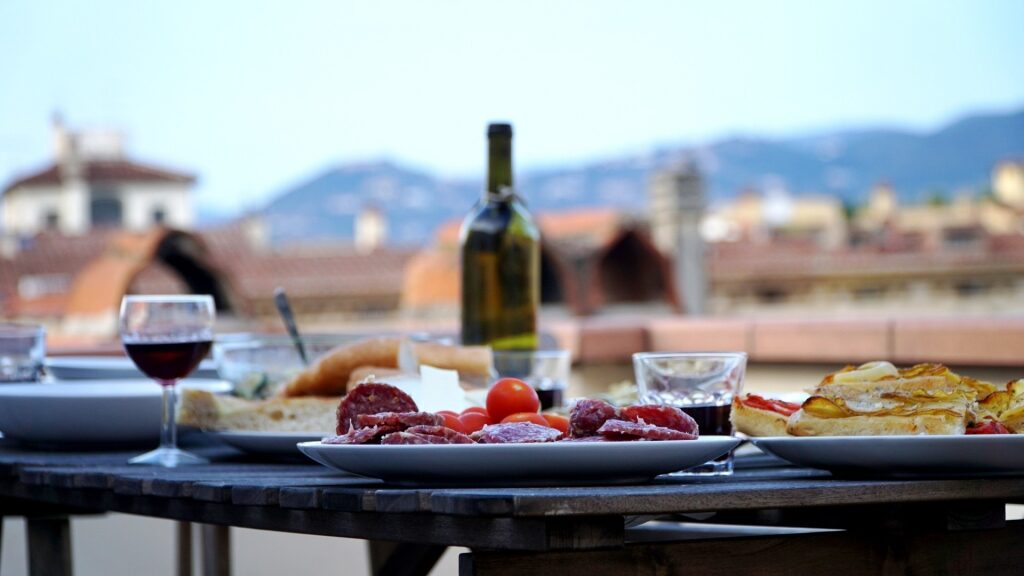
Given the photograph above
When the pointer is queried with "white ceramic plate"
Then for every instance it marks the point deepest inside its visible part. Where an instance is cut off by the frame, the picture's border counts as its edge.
(109, 368)
(87, 412)
(896, 455)
(545, 463)
(268, 443)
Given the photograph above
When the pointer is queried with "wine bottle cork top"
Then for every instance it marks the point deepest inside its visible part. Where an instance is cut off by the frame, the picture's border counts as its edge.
(499, 129)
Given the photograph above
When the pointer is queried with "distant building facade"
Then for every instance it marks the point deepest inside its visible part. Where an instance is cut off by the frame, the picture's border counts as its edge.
(91, 184)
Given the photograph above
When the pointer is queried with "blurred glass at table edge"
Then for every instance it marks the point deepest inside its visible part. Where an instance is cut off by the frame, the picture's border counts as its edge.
(702, 384)
(22, 352)
(547, 371)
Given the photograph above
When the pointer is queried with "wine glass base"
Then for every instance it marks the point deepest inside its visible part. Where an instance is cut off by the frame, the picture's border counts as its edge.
(168, 458)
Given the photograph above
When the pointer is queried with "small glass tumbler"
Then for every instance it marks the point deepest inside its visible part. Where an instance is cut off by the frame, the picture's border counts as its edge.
(22, 351)
(700, 384)
(547, 371)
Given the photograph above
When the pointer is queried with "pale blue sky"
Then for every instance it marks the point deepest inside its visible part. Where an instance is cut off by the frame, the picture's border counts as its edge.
(255, 95)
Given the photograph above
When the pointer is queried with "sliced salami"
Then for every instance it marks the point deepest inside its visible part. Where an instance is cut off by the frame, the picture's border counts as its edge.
(410, 438)
(598, 438)
(663, 416)
(371, 398)
(625, 430)
(439, 431)
(515, 433)
(399, 420)
(357, 436)
(588, 415)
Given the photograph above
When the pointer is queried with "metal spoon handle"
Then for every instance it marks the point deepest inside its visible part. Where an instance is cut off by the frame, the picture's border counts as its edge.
(285, 309)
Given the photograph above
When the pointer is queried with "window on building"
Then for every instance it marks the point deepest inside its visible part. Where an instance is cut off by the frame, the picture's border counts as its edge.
(51, 220)
(105, 211)
(159, 215)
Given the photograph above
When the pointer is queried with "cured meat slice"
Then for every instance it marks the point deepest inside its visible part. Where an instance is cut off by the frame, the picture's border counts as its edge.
(409, 438)
(371, 398)
(663, 416)
(440, 431)
(598, 438)
(588, 415)
(515, 433)
(357, 436)
(399, 420)
(625, 430)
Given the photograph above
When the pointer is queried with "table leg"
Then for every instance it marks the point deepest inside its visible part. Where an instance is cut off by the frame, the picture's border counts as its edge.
(400, 559)
(49, 545)
(184, 549)
(216, 550)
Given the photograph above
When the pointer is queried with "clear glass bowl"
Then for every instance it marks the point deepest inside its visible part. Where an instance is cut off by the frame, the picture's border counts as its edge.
(258, 364)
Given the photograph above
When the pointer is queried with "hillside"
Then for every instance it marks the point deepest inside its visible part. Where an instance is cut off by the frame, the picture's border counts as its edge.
(957, 156)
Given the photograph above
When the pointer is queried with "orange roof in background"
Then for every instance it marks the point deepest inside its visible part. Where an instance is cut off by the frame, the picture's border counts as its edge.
(431, 279)
(100, 286)
(597, 225)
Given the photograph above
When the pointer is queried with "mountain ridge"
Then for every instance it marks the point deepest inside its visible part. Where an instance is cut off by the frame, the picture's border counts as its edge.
(845, 163)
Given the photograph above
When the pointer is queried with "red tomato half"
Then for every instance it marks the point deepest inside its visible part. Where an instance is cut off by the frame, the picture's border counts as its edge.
(473, 421)
(987, 426)
(451, 420)
(526, 417)
(558, 422)
(510, 396)
(772, 405)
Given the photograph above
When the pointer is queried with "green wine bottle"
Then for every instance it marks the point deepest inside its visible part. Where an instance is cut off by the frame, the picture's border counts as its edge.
(500, 258)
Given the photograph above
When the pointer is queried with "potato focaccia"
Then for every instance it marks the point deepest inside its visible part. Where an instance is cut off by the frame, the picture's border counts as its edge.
(877, 399)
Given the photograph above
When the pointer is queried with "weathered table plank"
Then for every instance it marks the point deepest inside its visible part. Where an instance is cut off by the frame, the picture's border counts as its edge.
(884, 552)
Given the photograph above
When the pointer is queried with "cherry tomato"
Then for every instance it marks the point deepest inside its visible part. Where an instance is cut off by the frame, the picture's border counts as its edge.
(473, 421)
(451, 420)
(558, 422)
(509, 396)
(477, 409)
(526, 417)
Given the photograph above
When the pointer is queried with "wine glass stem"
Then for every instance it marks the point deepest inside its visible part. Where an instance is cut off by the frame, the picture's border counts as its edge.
(168, 430)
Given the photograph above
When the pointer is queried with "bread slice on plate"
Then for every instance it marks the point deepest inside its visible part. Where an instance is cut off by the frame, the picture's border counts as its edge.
(755, 419)
(204, 410)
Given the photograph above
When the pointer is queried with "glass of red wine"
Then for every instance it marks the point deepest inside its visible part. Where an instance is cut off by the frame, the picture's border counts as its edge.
(700, 384)
(166, 337)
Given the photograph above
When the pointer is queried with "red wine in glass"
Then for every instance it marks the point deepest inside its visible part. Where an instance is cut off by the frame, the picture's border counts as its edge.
(166, 337)
(167, 361)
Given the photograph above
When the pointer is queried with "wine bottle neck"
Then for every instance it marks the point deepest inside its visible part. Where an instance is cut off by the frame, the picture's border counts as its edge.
(499, 165)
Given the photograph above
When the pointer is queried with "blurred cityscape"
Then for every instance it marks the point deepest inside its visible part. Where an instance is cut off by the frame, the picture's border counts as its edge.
(870, 222)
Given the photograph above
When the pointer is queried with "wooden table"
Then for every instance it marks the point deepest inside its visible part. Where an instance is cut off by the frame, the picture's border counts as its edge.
(933, 526)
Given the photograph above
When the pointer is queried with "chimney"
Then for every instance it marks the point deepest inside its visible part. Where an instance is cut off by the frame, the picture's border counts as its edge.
(371, 229)
(677, 205)
(254, 229)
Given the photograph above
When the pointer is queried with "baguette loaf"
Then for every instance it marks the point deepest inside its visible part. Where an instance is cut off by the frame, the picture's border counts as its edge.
(339, 368)
(329, 375)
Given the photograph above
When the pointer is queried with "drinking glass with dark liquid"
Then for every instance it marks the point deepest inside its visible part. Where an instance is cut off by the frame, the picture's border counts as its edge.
(547, 371)
(166, 337)
(700, 384)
